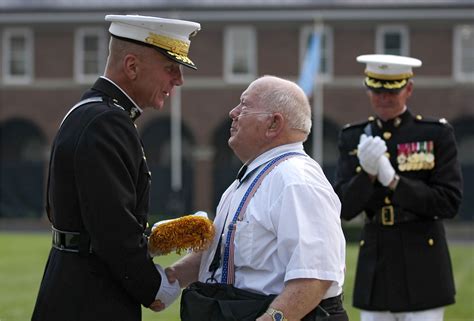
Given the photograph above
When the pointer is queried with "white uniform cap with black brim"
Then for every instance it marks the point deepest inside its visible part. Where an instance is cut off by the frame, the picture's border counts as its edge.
(388, 72)
(171, 37)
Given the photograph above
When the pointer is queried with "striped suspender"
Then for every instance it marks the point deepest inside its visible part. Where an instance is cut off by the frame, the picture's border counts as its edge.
(228, 261)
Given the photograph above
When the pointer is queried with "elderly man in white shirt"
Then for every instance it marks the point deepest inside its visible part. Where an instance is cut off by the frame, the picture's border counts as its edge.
(288, 240)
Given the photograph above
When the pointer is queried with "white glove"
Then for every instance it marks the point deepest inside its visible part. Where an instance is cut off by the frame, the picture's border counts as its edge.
(369, 151)
(386, 171)
(168, 292)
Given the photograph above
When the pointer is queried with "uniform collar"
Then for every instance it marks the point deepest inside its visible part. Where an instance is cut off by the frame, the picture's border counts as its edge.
(118, 96)
(268, 156)
(394, 122)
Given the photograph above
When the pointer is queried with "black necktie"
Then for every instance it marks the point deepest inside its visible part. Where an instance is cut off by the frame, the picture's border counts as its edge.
(241, 172)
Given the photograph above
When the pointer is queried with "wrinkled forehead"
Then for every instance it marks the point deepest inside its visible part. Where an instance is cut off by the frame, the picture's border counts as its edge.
(254, 88)
(246, 94)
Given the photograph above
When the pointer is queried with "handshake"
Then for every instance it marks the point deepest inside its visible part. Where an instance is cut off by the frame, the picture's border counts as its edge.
(370, 152)
(169, 291)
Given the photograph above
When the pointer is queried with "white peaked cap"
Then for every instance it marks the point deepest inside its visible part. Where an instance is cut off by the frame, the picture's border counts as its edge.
(170, 36)
(388, 72)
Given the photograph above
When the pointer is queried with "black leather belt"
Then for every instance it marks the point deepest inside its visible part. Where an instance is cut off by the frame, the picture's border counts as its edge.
(387, 216)
(328, 309)
(73, 242)
(331, 301)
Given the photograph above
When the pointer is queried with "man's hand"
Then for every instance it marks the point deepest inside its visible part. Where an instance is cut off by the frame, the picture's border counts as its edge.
(369, 151)
(169, 289)
(386, 171)
(157, 306)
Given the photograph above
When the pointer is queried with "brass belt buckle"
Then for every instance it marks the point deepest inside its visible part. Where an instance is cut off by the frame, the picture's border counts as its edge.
(387, 215)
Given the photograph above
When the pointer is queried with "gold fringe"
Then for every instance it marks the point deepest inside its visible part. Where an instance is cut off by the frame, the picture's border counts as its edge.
(187, 232)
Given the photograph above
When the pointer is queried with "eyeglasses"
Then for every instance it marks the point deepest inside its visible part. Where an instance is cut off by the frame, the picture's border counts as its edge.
(255, 113)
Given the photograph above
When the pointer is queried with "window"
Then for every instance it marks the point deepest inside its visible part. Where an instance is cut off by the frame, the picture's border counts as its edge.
(17, 56)
(326, 49)
(240, 60)
(392, 40)
(90, 50)
(464, 53)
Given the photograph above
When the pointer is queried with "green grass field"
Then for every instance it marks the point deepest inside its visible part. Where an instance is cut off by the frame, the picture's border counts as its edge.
(23, 256)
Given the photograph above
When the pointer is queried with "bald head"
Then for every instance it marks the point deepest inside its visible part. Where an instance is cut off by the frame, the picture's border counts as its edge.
(272, 112)
(283, 96)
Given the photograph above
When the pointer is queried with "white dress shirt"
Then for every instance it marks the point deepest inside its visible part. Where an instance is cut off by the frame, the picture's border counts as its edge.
(290, 230)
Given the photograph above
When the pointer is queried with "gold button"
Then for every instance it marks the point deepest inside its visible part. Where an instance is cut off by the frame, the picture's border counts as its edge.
(362, 242)
(387, 200)
(419, 117)
(431, 242)
(358, 169)
(371, 118)
(387, 135)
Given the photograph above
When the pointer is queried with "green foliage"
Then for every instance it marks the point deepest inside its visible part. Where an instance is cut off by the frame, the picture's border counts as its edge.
(23, 257)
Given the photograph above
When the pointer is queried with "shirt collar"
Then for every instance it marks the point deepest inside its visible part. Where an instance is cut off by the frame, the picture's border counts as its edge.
(271, 154)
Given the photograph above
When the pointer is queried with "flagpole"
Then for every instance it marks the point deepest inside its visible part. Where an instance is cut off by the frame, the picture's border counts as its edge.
(176, 137)
(176, 158)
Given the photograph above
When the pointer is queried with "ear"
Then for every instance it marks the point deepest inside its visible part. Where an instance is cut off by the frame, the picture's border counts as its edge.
(130, 66)
(409, 88)
(276, 126)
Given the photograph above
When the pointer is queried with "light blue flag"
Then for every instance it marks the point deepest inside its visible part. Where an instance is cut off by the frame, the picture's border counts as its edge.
(311, 64)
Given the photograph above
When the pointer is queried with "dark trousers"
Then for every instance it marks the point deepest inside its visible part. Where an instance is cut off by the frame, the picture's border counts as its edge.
(330, 309)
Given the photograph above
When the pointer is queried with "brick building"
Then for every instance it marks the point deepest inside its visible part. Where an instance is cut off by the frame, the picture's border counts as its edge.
(53, 50)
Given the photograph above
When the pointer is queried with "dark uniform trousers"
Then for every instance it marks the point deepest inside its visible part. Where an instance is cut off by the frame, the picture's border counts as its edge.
(98, 195)
(404, 263)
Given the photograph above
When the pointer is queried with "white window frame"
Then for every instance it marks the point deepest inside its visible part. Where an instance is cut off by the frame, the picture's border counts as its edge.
(79, 53)
(229, 54)
(327, 52)
(384, 29)
(459, 53)
(8, 78)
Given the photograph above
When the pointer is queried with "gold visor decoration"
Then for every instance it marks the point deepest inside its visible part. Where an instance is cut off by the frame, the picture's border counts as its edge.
(377, 84)
(372, 83)
(178, 47)
(180, 58)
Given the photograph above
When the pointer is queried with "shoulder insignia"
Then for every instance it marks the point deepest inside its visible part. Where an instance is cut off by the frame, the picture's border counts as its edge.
(355, 125)
(431, 120)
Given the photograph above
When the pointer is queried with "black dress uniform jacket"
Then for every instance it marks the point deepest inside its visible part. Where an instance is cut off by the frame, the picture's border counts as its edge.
(99, 186)
(403, 263)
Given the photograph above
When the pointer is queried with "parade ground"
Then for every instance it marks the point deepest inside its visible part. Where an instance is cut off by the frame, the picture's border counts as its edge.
(24, 254)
